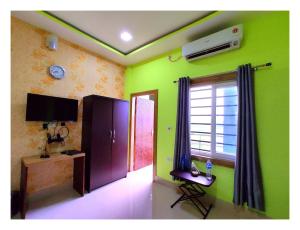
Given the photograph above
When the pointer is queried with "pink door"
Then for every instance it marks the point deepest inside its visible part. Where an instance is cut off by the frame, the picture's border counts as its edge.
(143, 140)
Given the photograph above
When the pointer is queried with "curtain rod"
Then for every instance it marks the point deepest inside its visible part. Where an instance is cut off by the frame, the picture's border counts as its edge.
(254, 68)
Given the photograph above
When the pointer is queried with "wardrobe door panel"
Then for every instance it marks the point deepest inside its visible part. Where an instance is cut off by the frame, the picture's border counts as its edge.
(86, 136)
(101, 142)
(120, 140)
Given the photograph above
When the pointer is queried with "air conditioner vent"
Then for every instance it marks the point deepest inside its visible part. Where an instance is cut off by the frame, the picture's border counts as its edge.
(209, 51)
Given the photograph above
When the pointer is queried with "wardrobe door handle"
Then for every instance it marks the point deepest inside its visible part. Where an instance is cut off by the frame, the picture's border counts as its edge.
(110, 134)
(114, 136)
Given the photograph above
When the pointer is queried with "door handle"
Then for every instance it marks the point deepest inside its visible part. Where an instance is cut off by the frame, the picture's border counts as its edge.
(110, 134)
(114, 136)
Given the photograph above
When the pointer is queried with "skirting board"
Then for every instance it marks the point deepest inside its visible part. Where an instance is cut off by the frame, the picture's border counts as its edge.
(167, 183)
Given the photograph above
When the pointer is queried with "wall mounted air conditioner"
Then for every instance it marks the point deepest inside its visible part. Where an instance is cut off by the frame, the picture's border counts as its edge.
(224, 40)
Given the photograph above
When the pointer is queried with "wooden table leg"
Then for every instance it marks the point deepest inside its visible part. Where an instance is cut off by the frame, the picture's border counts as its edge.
(78, 175)
(23, 191)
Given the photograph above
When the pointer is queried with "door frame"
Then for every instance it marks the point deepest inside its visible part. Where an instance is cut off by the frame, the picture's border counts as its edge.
(155, 94)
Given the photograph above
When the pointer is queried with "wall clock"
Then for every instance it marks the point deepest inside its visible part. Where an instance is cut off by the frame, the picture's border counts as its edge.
(56, 71)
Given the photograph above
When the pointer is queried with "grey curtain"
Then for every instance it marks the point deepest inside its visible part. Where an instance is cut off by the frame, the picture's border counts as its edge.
(247, 178)
(182, 151)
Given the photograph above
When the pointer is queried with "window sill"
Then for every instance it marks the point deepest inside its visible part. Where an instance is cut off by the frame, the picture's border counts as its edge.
(225, 163)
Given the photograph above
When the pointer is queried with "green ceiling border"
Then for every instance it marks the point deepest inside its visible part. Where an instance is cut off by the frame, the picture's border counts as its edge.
(116, 51)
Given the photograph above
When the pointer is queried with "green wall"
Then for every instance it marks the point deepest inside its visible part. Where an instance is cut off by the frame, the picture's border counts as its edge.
(266, 38)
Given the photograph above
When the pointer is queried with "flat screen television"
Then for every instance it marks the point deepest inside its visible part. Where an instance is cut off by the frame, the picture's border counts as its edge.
(48, 108)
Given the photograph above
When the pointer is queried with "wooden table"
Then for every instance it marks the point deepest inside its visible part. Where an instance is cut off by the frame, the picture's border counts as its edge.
(192, 190)
(42, 173)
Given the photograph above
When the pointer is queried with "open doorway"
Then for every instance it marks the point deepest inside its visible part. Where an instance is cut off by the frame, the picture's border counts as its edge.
(143, 131)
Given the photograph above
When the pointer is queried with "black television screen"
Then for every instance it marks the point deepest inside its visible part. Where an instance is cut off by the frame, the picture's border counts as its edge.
(48, 108)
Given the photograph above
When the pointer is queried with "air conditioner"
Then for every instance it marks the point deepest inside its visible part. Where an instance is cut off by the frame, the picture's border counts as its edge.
(224, 40)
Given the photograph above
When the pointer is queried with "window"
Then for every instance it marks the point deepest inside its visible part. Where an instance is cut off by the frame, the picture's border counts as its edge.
(213, 120)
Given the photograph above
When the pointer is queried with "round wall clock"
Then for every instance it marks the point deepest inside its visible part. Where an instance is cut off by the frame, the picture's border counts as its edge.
(56, 71)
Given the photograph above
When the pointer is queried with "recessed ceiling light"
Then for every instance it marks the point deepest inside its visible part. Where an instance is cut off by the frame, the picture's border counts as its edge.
(125, 36)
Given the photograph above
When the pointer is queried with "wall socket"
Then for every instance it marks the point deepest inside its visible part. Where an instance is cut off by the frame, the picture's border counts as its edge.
(169, 159)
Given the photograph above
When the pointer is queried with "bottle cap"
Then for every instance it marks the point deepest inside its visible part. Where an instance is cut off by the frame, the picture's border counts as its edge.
(208, 164)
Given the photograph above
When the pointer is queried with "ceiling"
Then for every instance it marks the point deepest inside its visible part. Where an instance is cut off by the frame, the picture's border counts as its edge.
(154, 32)
(145, 26)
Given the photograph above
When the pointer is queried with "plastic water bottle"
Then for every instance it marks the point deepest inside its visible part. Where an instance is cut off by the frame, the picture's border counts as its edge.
(208, 170)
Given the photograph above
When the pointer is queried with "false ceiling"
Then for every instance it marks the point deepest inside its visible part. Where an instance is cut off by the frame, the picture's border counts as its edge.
(154, 32)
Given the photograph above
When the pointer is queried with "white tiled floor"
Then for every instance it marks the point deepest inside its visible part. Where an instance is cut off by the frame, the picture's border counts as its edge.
(134, 197)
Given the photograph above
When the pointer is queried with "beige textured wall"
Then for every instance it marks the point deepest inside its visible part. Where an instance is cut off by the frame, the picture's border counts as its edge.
(86, 73)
